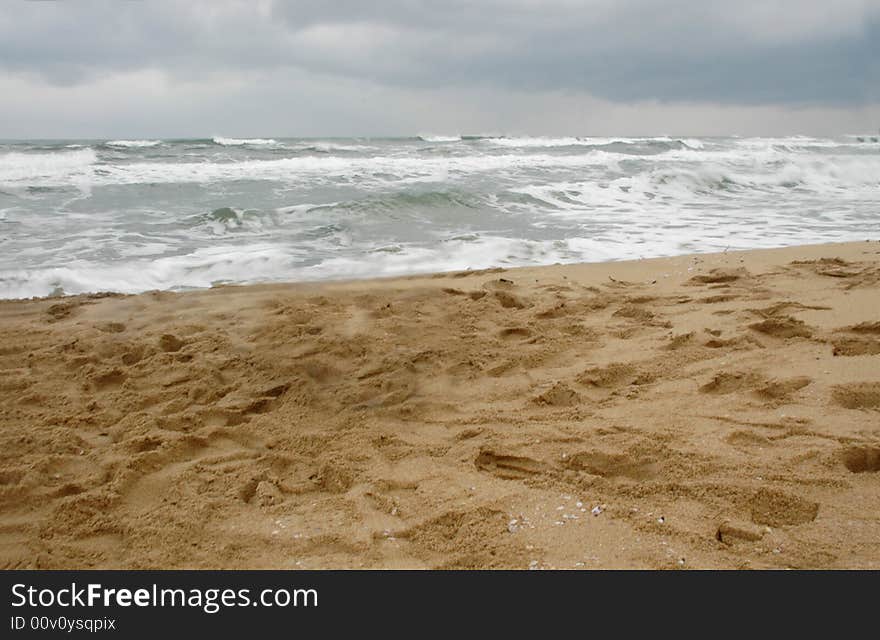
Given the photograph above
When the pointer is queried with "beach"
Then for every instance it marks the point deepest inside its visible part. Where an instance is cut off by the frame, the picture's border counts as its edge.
(702, 411)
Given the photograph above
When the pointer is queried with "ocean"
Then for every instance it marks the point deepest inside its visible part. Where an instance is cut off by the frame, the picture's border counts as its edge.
(135, 215)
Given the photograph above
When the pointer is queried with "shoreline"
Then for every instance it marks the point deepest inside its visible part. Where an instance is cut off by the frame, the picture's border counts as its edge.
(713, 410)
(808, 248)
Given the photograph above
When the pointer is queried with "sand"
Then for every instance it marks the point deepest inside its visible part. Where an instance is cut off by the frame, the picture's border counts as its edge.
(709, 411)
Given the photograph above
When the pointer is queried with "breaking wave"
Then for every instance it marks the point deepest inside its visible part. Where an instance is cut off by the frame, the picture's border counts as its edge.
(238, 142)
(131, 215)
(433, 138)
(37, 167)
(136, 144)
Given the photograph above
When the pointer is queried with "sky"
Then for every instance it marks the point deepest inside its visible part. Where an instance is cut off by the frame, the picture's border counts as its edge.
(263, 68)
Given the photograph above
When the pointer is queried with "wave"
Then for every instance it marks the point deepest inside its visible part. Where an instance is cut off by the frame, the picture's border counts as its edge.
(331, 147)
(410, 202)
(693, 143)
(238, 142)
(268, 262)
(79, 219)
(68, 166)
(539, 142)
(666, 187)
(761, 161)
(330, 256)
(862, 138)
(133, 143)
(291, 170)
(233, 219)
(803, 143)
(201, 268)
(439, 138)
(664, 142)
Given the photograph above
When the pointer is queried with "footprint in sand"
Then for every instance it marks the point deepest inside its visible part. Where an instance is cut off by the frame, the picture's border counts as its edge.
(109, 380)
(634, 312)
(729, 382)
(680, 341)
(509, 300)
(632, 465)
(261, 492)
(784, 327)
(616, 374)
(851, 274)
(860, 395)
(862, 459)
(855, 347)
(170, 343)
(727, 297)
(863, 343)
(559, 310)
(777, 508)
(745, 341)
(720, 276)
(515, 333)
(112, 327)
(782, 389)
(133, 356)
(747, 438)
(509, 467)
(61, 310)
(865, 328)
(559, 395)
(772, 391)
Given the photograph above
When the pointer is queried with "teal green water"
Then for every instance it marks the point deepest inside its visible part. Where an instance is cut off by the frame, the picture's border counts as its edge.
(135, 215)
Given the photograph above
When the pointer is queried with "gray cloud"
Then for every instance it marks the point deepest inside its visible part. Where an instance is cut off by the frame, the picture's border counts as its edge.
(783, 54)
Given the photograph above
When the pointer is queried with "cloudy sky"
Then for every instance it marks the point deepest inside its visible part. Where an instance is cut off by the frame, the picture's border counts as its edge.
(399, 67)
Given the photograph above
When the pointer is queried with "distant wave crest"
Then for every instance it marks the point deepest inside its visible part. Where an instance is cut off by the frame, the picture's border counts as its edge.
(439, 138)
(238, 142)
(133, 143)
(571, 141)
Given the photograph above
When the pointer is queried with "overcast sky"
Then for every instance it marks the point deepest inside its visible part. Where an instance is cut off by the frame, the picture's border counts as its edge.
(401, 67)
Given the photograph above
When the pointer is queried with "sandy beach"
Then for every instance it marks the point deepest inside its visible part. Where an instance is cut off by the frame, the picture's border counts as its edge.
(704, 411)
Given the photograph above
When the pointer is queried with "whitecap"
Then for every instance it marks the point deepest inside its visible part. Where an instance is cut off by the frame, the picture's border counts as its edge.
(133, 143)
(54, 167)
(439, 138)
(238, 142)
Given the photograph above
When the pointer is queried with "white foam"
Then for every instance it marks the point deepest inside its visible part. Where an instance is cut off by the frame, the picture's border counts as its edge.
(330, 147)
(791, 143)
(268, 262)
(133, 143)
(201, 268)
(298, 209)
(527, 205)
(439, 138)
(746, 162)
(525, 142)
(665, 186)
(541, 142)
(49, 168)
(400, 169)
(237, 142)
(606, 236)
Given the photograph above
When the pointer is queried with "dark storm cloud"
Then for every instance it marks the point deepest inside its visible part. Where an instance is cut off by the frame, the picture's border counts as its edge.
(749, 52)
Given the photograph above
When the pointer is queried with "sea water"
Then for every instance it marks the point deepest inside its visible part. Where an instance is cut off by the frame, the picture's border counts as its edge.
(135, 215)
